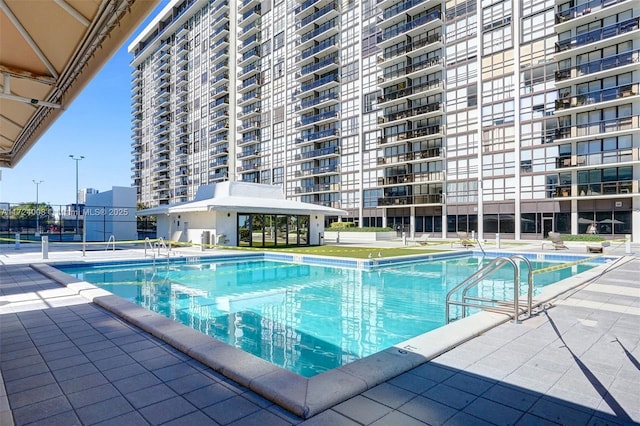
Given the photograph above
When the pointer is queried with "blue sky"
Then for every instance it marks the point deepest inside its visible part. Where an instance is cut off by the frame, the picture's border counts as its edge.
(96, 125)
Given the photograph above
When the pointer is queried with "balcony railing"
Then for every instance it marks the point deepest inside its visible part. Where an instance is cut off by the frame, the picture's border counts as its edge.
(307, 103)
(582, 9)
(607, 126)
(394, 31)
(595, 97)
(422, 131)
(431, 62)
(608, 63)
(400, 7)
(318, 48)
(399, 115)
(320, 82)
(317, 117)
(432, 84)
(417, 44)
(411, 199)
(318, 170)
(318, 153)
(328, 8)
(599, 34)
(311, 136)
(307, 69)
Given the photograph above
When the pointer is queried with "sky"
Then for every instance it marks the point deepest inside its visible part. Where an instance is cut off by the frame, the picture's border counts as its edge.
(97, 125)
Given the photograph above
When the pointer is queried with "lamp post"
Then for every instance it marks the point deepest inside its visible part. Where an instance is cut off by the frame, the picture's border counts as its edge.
(77, 159)
(37, 182)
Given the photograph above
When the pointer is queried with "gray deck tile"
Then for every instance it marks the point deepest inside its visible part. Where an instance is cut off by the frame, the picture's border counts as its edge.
(137, 382)
(362, 410)
(125, 371)
(92, 395)
(261, 418)
(518, 398)
(147, 353)
(105, 353)
(150, 395)
(427, 410)
(81, 383)
(52, 355)
(330, 418)
(22, 362)
(174, 371)
(469, 383)
(66, 418)
(493, 412)
(66, 362)
(132, 418)
(114, 362)
(389, 395)
(197, 418)
(7, 356)
(554, 411)
(231, 409)
(138, 345)
(396, 418)
(209, 395)
(447, 395)
(104, 410)
(161, 362)
(464, 419)
(73, 372)
(164, 411)
(412, 383)
(22, 372)
(29, 382)
(531, 420)
(434, 371)
(41, 410)
(189, 383)
(33, 395)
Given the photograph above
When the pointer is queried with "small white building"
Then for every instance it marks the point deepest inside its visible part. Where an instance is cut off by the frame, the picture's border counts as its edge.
(111, 213)
(242, 214)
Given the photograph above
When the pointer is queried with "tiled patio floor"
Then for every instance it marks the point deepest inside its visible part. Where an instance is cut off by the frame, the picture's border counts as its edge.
(65, 361)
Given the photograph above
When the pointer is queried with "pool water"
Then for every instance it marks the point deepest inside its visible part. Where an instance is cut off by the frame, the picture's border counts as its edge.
(305, 318)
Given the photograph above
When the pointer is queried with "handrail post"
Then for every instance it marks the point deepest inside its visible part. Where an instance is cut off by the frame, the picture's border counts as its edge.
(516, 293)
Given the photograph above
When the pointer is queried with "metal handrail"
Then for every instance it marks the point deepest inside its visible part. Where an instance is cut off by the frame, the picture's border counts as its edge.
(485, 272)
(112, 240)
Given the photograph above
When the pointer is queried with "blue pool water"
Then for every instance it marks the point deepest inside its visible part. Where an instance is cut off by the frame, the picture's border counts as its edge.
(305, 318)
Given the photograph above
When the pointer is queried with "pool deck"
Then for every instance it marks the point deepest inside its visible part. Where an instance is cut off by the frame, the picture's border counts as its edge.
(65, 360)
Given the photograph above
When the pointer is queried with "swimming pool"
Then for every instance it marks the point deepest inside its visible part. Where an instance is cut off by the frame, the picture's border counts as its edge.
(305, 318)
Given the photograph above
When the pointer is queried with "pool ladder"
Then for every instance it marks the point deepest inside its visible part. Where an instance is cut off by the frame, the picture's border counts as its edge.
(509, 307)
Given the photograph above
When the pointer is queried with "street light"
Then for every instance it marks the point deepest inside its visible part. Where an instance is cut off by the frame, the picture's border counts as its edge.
(37, 182)
(77, 159)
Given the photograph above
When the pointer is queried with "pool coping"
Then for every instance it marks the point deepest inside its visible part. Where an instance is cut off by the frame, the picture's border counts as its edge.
(302, 396)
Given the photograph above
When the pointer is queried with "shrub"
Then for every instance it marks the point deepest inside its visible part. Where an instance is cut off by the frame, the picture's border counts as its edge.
(581, 237)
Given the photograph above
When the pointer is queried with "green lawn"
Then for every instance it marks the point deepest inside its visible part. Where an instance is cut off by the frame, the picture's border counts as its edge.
(346, 251)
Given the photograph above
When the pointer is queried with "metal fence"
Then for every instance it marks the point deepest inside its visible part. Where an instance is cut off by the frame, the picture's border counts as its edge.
(72, 223)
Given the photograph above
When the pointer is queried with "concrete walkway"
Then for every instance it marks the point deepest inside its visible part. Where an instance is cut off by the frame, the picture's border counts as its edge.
(65, 361)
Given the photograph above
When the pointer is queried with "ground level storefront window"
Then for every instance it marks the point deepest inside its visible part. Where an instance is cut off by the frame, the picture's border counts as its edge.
(272, 230)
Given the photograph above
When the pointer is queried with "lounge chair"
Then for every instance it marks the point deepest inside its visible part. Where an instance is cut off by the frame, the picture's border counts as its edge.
(424, 239)
(463, 240)
(556, 241)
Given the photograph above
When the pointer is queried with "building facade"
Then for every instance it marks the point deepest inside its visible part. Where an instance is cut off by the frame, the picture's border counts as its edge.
(430, 116)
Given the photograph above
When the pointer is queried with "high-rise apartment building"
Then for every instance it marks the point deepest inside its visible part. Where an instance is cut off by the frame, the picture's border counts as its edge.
(430, 116)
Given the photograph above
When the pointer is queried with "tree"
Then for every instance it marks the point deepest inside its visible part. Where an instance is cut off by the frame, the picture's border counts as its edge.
(28, 210)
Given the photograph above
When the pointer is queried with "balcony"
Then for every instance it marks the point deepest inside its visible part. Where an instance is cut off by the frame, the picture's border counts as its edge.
(318, 153)
(316, 118)
(320, 170)
(597, 96)
(407, 48)
(330, 43)
(248, 153)
(316, 32)
(605, 188)
(316, 136)
(320, 65)
(392, 32)
(607, 126)
(432, 85)
(598, 34)
(412, 112)
(409, 69)
(411, 199)
(315, 84)
(327, 12)
(321, 187)
(314, 101)
(416, 133)
(582, 10)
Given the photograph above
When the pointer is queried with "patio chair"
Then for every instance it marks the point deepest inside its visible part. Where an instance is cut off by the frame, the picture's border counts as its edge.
(556, 241)
(464, 240)
(424, 239)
